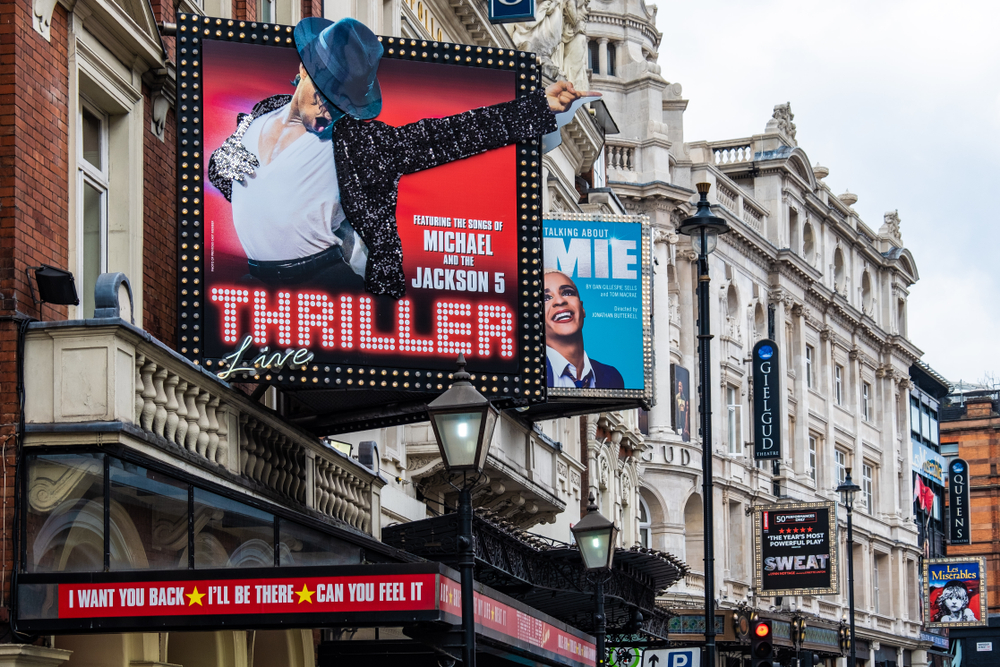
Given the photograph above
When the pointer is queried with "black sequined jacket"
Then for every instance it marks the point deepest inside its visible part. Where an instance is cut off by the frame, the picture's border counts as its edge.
(371, 157)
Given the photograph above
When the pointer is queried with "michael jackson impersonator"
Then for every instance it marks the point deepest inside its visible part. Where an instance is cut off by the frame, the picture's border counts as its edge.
(313, 183)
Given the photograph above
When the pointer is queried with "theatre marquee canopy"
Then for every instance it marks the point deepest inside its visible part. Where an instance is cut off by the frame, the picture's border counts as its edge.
(470, 233)
(378, 595)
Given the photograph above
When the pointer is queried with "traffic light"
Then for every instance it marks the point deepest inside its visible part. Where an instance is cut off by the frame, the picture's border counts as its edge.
(761, 645)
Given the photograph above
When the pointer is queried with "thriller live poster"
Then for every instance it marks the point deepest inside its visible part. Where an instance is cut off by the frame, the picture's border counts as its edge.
(795, 549)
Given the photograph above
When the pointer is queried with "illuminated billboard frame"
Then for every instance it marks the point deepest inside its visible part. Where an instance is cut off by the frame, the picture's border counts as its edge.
(970, 573)
(525, 381)
(641, 299)
(796, 583)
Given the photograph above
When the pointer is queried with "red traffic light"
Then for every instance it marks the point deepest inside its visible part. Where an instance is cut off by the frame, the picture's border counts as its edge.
(762, 630)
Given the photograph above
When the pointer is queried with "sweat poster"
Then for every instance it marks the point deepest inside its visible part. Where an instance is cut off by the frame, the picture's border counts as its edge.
(596, 295)
(795, 551)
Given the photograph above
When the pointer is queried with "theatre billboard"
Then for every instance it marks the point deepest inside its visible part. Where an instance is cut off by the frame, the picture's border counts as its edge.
(795, 550)
(279, 284)
(598, 300)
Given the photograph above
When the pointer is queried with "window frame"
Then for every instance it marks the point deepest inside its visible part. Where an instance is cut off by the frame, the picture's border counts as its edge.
(840, 465)
(734, 423)
(838, 383)
(99, 178)
(812, 456)
(810, 355)
(866, 393)
(868, 487)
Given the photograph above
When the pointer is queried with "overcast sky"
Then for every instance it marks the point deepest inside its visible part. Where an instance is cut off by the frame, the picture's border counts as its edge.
(901, 101)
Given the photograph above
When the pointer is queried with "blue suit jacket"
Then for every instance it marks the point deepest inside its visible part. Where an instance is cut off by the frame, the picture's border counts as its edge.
(605, 376)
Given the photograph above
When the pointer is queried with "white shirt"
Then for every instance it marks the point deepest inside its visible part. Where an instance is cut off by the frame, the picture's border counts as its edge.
(290, 208)
(564, 373)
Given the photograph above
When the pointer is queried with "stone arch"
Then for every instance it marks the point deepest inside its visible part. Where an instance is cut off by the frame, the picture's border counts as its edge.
(808, 243)
(656, 516)
(694, 533)
(759, 322)
(866, 292)
(839, 274)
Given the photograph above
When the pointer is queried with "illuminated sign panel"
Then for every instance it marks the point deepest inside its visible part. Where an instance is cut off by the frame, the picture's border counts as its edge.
(351, 595)
(795, 549)
(262, 300)
(955, 592)
(598, 300)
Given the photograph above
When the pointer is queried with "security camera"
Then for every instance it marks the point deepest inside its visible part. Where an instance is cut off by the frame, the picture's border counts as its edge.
(446, 662)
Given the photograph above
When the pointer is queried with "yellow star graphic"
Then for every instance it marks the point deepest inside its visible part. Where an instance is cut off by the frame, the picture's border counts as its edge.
(305, 595)
(195, 598)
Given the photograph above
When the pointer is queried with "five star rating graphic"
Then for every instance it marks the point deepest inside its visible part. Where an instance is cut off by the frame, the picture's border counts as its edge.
(782, 531)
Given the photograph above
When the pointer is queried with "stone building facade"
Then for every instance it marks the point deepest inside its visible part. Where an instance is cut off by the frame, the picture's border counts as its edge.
(830, 288)
(88, 184)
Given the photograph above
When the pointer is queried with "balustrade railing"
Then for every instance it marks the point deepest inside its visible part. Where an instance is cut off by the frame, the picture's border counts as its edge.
(190, 409)
(621, 157)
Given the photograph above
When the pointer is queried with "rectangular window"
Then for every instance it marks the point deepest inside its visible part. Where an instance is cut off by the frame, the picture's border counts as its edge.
(266, 11)
(914, 415)
(838, 383)
(925, 422)
(733, 429)
(933, 419)
(866, 403)
(868, 488)
(809, 366)
(875, 584)
(92, 194)
(811, 464)
(949, 449)
(840, 463)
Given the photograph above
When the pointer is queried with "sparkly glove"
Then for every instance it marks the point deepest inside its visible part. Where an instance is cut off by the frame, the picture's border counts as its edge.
(232, 161)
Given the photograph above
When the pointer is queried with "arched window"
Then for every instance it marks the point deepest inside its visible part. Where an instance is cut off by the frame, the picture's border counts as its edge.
(611, 60)
(694, 532)
(808, 243)
(838, 271)
(866, 293)
(645, 523)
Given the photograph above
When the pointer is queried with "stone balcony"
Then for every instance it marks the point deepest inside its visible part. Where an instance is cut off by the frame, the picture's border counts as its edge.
(104, 382)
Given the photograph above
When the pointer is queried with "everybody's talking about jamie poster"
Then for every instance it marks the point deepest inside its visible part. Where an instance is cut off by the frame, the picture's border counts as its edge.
(596, 294)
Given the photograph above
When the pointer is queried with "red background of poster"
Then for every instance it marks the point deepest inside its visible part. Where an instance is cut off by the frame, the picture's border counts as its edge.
(236, 76)
(971, 584)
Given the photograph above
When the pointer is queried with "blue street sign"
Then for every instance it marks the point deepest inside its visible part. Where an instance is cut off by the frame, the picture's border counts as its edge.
(512, 11)
(673, 657)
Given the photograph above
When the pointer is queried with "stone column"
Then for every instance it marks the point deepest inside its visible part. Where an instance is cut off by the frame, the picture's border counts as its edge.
(602, 56)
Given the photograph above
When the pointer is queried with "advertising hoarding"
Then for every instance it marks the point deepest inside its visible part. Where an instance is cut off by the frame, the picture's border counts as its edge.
(955, 592)
(680, 391)
(766, 400)
(795, 549)
(468, 229)
(959, 529)
(597, 293)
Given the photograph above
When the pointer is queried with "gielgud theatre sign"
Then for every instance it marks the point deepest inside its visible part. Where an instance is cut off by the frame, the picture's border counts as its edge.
(339, 221)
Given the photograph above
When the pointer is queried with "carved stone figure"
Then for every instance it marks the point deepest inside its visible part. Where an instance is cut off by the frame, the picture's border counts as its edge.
(891, 226)
(574, 41)
(781, 121)
(544, 35)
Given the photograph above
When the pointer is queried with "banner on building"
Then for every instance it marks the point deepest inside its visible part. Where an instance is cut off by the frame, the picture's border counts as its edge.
(959, 528)
(955, 592)
(294, 274)
(680, 391)
(511, 11)
(598, 300)
(795, 549)
(766, 400)
(345, 595)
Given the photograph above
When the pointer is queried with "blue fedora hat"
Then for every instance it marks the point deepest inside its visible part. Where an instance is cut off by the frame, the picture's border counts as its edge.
(342, 61)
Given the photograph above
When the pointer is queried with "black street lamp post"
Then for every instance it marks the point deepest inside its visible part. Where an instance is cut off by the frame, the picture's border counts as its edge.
(595, 536)
(463, 421)
(847, 489)
(704, 229)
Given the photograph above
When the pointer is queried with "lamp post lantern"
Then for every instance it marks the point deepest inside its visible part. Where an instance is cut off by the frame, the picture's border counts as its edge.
(595, 536)
(847, 490)
(704, 228)
(463, 422)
